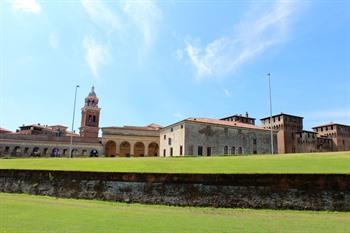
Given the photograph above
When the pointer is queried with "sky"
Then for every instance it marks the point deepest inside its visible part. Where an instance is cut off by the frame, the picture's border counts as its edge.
(162, 61)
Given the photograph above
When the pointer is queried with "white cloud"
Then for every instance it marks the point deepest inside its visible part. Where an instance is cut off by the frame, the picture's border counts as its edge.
(251, 38)
(146, 15)
(29, 6)
(101, 15)
(96, 54)
(53, 41)
(227, 93)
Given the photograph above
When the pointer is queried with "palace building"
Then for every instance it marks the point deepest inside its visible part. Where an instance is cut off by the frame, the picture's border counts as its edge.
(232, 135)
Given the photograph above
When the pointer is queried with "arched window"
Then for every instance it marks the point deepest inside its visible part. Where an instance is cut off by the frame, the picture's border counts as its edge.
(225, 150)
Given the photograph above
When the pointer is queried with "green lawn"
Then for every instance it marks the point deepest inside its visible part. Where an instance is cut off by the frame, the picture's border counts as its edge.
(294, 163)
(38, 214)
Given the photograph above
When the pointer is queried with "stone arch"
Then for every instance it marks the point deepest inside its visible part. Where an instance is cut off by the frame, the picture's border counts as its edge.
(94, 153)
(110, 149)
(125, 149)
(36, 152)
(74, 152)
(55, 152)
(16, 151)
(139, 149)
(153, 149)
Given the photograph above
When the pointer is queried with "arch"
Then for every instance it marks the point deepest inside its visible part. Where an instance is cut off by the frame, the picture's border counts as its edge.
(36, 152)
(74, 152)
(55, 152)
(225, 150)
(153, 149)
(16, 151)
(110, 149)
(139, 149)
(125, 149)
(94, 153)
(233, 150)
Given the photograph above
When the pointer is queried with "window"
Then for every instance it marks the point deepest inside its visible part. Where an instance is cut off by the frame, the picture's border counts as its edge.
(254, 141)
(164, 152)
(233, 150)
(331, 127)
(171, 129)
(225, 150)
(180, 150)
(182, 126)
(169, 141)
(240, 151)
(226, 131)
(164, 137)
(208, 151)
(171, 151)
(200, 150)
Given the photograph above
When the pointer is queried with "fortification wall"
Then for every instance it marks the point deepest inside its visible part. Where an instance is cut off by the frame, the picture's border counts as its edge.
(271, 191)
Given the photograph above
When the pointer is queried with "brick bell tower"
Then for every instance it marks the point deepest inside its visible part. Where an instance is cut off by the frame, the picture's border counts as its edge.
(90, 116)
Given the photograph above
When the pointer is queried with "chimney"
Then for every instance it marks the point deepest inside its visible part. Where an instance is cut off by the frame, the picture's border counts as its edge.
(246, 114)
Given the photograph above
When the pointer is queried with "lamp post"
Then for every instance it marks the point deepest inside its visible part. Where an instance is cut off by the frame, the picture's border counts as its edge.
(71, 136)
(271, 131)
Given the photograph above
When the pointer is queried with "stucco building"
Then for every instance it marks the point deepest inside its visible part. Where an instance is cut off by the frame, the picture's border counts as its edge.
(206, 137)
(126, 141)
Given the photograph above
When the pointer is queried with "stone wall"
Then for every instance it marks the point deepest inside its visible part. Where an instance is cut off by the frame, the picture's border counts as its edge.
(272, 191)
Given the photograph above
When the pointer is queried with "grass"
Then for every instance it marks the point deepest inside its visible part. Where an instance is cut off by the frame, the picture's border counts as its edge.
(335, 162)
(39, 214)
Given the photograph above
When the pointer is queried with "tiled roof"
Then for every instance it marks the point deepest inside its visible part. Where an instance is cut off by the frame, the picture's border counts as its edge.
(329, 124)
(281, 114)
(5, 130)
(151, 127)
(227, 123)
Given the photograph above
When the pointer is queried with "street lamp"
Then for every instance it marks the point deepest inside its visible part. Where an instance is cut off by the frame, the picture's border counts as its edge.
(269, 75)
(71, 136)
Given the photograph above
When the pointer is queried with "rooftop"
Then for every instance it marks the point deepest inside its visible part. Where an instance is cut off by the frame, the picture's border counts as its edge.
(226, 123)
(282, 114)
(330, 124)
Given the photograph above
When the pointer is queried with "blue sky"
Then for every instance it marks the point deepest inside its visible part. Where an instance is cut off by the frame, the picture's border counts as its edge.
(162, 61)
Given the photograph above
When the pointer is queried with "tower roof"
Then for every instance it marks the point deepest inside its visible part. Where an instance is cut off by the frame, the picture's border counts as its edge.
(92, 92)
(91, 100)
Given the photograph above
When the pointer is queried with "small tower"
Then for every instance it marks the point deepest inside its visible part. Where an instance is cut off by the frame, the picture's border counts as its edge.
(90, 116)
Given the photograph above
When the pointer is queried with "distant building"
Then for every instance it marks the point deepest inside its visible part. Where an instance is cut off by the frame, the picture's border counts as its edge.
(137, 141)
(206, 137)
(293, 139)
(287, 127)
(232, 135)
(239, 118)
(339, 135)
(54, 140)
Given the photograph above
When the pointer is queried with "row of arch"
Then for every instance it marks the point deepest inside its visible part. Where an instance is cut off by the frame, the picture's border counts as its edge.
(126, 149)
(233, 150)
(20, 151)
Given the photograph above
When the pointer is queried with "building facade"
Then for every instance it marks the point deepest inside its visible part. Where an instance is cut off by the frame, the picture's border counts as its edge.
(293, 139)
(135, 141)
(232, 135)
(54, 140)
(206, 137)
